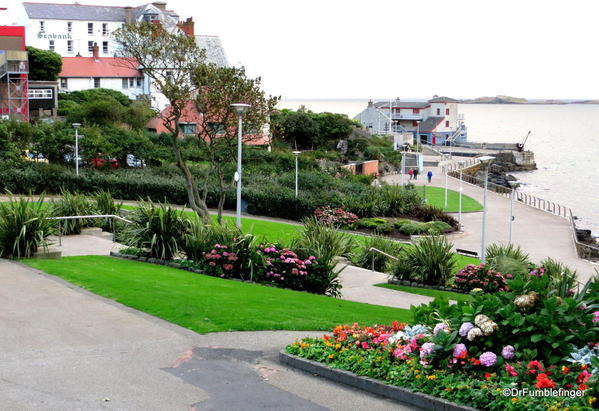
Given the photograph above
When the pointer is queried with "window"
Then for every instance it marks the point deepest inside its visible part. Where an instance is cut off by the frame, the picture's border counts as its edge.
(139, 81)
(42, 26)
(125, 84)
(64, 83)
(104, 29)
(90, 46)
(51, 46)
(414, 123)
(69, 26)
(415, 110)
(446, 111)
(438, 111)
(41, 93)
(447, 124)
(188, 128)
(217, 127)
(150, 17)
(105, 47)
(90, 28)
(96, 82)
(70, 46)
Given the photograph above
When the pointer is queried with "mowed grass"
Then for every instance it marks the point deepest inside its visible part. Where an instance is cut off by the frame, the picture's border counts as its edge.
(206, 304)
(436, 196)
(425, 291)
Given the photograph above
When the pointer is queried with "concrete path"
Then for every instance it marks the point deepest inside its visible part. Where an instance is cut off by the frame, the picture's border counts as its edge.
(539, 233)
(64, 348)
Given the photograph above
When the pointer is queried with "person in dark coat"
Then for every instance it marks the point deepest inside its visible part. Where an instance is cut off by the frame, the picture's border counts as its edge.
(416, 173)
(429, 175)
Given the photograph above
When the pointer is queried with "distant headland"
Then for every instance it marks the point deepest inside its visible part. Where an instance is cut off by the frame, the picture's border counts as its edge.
(519, 100)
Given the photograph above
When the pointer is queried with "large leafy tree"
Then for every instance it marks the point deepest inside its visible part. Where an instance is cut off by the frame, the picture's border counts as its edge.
(169, 60)
(43, 64)
(218, 88)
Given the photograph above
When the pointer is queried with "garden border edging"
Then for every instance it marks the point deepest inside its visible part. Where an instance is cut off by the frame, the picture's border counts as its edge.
(371, 385)
(408, 283)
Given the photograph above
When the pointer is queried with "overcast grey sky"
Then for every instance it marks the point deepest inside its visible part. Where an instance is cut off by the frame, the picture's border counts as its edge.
(416, 48)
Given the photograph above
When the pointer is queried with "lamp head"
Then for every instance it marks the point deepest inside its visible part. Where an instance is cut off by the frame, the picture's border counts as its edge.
(461, 163)
(240, 108)
(297, 153)
(76, 125)
(513, 184)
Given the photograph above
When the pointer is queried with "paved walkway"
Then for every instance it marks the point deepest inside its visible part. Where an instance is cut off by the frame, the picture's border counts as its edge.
(539, 233)
(64, 348)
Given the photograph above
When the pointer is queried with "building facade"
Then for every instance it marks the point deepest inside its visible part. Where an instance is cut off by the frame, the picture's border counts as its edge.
(435, 121)
(14, 74)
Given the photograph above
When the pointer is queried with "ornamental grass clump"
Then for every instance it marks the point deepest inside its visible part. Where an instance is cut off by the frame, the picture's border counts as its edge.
(374, 260)
(24, 227)
(73, 204)
(430, 260)
(106, 205)
(158, 228)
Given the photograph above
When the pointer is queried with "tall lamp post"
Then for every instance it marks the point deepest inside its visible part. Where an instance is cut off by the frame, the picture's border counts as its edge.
(445, 169)
(417, 136)
(461, 163)
(76, 127)
(514, 185)
(240, 109)
(485, 162)
(296, 153)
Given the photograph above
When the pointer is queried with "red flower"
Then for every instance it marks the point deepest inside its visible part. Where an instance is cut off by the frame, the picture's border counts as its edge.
(488, 375)
(543, 381)
(583, 377)
(535, 366)
(582, 387)
(511, 370)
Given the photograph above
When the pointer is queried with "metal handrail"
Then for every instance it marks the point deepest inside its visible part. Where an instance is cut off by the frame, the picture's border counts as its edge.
(80, 217)
(383, 253)
(577, 243)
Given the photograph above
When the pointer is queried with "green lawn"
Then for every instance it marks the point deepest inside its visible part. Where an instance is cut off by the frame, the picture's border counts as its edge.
(425, 291)
(436, 196)
(206, 304)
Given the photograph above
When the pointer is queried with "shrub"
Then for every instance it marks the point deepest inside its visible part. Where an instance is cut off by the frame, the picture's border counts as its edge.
(133, 251)
(72, 204)
(23, 227)
(236, 259)
(201, 238)
(374, 260)
(105, 205)
(413, 228)
(335, 216)
(427, 212)
(160, 229)
(562, 278)
(323, 241)
(430, 260)
(480, 276)
(507, 259)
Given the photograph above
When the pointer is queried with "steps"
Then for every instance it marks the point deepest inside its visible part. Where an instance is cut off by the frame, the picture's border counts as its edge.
(97, 232)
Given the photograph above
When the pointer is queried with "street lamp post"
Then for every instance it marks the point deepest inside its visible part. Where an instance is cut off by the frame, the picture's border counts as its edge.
(461, 164)
(417, 136)
(445, 169)
(240, 109)
(76, 127)
(296, 153)
(514, 185)
(485, 161)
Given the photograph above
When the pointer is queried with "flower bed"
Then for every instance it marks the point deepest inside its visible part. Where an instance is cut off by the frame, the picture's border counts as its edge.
(482, 352)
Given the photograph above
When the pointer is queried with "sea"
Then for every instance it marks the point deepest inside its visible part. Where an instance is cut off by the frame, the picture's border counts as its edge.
(563, 137)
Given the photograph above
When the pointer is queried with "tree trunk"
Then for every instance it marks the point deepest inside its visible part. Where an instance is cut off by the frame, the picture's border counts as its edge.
(195, 202)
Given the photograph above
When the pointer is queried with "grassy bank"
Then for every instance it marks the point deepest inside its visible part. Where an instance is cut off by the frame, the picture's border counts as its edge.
(436, 196)
(206, 304)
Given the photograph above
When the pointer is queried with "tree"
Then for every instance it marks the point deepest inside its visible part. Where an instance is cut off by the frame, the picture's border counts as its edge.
(168, 59)
(297, 128)
(218, 88)
(44, 64)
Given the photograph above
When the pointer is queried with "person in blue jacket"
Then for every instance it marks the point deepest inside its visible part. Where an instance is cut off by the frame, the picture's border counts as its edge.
(429, 175)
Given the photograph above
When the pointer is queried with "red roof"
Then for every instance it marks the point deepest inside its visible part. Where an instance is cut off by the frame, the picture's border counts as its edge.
(102, 67)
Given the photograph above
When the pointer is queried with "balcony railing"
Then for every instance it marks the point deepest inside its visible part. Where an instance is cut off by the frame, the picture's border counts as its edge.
(406, 116)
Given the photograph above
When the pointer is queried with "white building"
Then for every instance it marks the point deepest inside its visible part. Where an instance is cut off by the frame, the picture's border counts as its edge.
(72, 29)
(433, 121)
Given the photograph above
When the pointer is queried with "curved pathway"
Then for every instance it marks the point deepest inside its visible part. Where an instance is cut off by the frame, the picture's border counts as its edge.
(64, 348)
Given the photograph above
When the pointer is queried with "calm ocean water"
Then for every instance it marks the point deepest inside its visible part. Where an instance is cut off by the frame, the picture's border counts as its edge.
(564, 138)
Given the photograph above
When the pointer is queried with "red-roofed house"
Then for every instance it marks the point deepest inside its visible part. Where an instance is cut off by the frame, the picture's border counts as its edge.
(83, 73)
(192, 120)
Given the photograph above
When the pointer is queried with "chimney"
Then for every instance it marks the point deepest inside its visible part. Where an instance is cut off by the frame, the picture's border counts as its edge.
(160, 5)
(187, 26)
(128, 10)
(96, 51)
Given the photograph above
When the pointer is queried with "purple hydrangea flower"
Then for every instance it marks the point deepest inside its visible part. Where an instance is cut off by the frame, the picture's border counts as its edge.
(465, 328)
(460, 351)
(439, 327)
(487, 359)
(507, 352)
(426, 349)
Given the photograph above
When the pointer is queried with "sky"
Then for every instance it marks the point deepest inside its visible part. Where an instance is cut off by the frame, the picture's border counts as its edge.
(321, 49)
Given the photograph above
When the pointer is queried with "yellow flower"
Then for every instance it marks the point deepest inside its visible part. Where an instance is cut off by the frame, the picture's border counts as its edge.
(592, 400)
(448, 389)
(329, 344)
(514, 400)
(497, 389)
(418, 377)
(432, 377)
(416, 371)
(331, 356)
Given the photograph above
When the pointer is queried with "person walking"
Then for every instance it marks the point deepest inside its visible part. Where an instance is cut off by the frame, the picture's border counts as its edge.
(429, 175)
(416, 173)
(411, 173)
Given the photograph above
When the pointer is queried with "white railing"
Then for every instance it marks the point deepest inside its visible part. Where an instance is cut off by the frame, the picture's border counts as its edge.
(85, 217)
(371, 249)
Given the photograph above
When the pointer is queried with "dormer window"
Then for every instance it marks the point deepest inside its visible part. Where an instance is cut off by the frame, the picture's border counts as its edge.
(150, 17)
